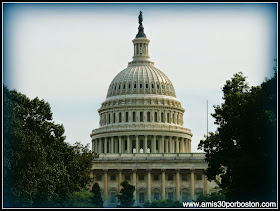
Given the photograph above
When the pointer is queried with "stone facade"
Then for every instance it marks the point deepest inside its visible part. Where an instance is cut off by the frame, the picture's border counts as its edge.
(141, 138)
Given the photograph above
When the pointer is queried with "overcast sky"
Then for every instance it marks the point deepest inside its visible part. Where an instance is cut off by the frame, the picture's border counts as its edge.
(68, 54)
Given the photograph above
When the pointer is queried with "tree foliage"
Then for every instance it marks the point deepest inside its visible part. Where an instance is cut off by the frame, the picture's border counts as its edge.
(163, 203)
(96, 199)
(82, 198)
(40, 169)
(243, 149)
(126, 195)
(215, 196)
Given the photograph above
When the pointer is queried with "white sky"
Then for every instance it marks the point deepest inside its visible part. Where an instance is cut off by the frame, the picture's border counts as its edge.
(67, 54)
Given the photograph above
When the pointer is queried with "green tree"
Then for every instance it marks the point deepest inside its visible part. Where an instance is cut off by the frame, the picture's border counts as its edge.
(39, 167)
(243, 149)
(96, 199)
(126, 195)
(82, 198)
(216, 196)
(163, 203)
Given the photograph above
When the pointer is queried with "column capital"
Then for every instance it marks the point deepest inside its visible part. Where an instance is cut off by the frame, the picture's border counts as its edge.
(134, 170)
(163, 170)
(149, 170)
(105, 170)
(177, 170)
(120, 169)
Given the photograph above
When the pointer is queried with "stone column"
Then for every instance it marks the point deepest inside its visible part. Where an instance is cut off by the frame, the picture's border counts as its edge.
(128, 145)
(171, 144)
(166, 146)
(134, 184)
(120, 179)
(149, 185)
(145, 144)
(92, 145)
(206, 185)
(190, 146)
(163, 184)
(100, 145)
(120, 144)
(162, 145)
(105, 145)
(177, 145)
(116, 145)
(137, 143)
(105, 186)
(178, 185)
(154, 145)
(186, 145)
(112, 145)
(192, 184)
(95, 145)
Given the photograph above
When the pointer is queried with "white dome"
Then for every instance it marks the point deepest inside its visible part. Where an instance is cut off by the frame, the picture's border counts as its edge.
(141, 79)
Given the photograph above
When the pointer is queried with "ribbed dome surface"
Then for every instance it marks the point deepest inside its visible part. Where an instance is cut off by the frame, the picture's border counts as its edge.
(141, 79)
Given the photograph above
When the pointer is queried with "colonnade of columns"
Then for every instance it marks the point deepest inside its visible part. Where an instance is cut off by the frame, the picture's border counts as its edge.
(141, 144)
(163, 184)
(158, 116)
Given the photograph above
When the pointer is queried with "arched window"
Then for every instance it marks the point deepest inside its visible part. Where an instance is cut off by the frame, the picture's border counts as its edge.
(173, 118)
(168, 117)
(162, 117)
(134, 117)
(148, 116)
(140, 86)
(115, 87)
(124, 86)
(109, 119)
(134, 86)
(126, 116)
(155, 117)
(119, 86)
(114, 118)
(152, 86)
(120, 117)
(147, 86)
(129, 86)
(141, 116)
(105, 119)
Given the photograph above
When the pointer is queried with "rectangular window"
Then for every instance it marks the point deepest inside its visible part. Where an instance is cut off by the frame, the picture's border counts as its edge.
(184, 196)
(141, 177)
(148, 117)
(199, 177)
(113, 197)
(127, 177)
(161, 117)
(173, 118)
(134, 117)
(156, 177)
(120, 117)
(113, 177)
(141, 116)
(170, 195)
(98, 177)
(155, 117)
(156, 196)
(114, 118)
(170, 177)
(141, 197)
(105, 119)
(185, 177)
(126, 116)
(109, 119)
